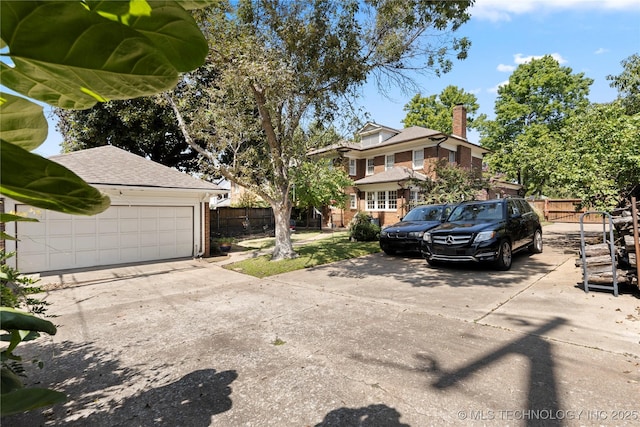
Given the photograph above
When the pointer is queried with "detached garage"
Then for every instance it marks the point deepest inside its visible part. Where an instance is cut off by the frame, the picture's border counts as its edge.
(156, 213)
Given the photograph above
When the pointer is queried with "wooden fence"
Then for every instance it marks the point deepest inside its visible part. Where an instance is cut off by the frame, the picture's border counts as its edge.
(563, 210)
(237, 222)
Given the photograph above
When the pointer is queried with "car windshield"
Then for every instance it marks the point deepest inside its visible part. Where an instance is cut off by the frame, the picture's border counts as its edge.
(477, 212)
(424, 213)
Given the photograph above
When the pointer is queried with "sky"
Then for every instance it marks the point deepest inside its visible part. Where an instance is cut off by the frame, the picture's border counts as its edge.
(588, 36)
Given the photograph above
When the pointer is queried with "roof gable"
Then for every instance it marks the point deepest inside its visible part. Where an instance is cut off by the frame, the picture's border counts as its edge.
(109, 165)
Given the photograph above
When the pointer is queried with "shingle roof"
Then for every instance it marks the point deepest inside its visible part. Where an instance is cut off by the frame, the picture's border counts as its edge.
(109, 165)
(395, 174)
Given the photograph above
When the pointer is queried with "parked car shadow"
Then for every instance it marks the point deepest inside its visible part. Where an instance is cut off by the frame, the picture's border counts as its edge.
(417, 273)
(103, 392)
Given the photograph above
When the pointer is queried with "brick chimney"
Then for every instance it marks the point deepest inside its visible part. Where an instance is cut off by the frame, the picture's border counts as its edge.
(460, 121)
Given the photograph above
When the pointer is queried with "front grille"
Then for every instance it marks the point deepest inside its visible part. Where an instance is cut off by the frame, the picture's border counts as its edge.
(397, 235)
(452, 239)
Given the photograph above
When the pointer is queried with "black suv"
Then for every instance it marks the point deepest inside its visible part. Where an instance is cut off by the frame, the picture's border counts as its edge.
(488, 230)
(406, 235)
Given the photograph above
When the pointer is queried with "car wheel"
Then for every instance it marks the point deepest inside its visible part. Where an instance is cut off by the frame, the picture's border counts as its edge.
(536, 244)
(504, 256)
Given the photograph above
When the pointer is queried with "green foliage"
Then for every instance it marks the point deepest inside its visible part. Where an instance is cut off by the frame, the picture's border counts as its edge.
(320, 183)
(436, 111)
(249, 200)
(22, 326)
(56, 62)
(17, 291)
(46, 184)
(141, 126)
(452, 184)
(600, 157)
(281, 64)
(628, 84)
(531, 110)
(73, 54)
(362, 228)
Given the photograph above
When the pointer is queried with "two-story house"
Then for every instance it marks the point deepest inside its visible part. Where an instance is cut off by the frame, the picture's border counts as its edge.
(385, 161)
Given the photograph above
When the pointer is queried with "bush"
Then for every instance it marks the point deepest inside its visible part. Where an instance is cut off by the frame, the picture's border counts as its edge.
(362, 229)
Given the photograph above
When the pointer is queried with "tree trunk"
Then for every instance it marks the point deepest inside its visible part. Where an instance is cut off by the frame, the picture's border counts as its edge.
(284, 247)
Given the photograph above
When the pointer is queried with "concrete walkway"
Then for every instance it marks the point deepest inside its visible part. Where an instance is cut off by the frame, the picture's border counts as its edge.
(372, 341)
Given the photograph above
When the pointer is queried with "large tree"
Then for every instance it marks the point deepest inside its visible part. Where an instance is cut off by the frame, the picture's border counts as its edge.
(141, 126)
(282, 64)
(599, 160)
(531, 110)
(436, 111)
(628, 84)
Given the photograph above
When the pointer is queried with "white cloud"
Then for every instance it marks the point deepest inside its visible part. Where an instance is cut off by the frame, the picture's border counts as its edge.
(601, 50)
(503, 68)
(502, 10)
(518, 58)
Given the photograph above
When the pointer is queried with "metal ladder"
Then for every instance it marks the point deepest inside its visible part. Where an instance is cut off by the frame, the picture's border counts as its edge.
(585, 274)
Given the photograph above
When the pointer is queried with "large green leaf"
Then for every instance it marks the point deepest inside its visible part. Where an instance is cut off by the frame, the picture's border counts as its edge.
(12, 319)
(26, 399)
(164, 23)
(184, 45)
(46, 184)
(22, 122)
(71, 57)
(4, 217)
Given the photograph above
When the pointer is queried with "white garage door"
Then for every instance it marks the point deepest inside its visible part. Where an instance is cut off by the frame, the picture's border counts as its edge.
(119, 235)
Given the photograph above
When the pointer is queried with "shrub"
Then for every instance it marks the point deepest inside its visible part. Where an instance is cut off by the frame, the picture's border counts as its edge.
(362, 229)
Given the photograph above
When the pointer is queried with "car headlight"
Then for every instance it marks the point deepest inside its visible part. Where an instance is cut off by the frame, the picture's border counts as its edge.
(484, 235)
(383, 233)
(427, 237)
(417, 234)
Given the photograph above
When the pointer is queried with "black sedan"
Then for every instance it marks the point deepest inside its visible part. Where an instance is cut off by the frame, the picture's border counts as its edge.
(406, 235)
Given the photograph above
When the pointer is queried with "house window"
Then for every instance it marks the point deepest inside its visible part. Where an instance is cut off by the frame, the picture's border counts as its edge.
(382, 200)
(352, 167)
(353, 201)
(371, 201)
(369, 166)
(392, 200)
(452, 156)
(418, 159)
(389, 161)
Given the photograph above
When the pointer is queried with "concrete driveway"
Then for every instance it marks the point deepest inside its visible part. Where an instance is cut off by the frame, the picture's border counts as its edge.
(373, 341)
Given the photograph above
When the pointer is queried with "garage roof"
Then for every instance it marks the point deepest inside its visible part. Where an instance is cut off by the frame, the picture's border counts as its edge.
(109, 165)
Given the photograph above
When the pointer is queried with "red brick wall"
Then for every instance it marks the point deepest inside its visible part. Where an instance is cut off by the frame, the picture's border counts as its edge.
(463, 157)
(404, 158)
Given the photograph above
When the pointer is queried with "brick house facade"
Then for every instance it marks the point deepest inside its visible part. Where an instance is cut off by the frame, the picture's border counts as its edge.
(385, 160)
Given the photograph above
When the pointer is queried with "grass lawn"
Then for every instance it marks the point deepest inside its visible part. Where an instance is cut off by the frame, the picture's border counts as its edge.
(310, 254)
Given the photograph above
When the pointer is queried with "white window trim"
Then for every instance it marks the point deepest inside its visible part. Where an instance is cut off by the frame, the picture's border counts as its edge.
(375, 197)
(413, 159)
(353, 201)
(353, 167)
(370, 172)
(388, 157)
(452, 155)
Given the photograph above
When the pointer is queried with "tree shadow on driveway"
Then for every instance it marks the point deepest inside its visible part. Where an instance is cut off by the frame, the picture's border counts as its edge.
(103, 392)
